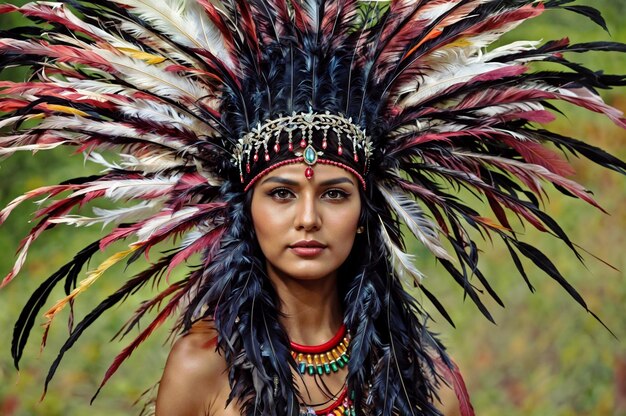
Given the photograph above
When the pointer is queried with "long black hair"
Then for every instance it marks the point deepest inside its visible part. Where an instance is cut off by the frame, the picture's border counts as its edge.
(391, 370)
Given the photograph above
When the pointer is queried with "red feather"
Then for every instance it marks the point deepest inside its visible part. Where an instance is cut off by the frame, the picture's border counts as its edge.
(534, 152)
(451, 374)
(157, 322)
(209, 242)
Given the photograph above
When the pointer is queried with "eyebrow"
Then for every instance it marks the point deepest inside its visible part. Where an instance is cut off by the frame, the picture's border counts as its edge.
(290, 182)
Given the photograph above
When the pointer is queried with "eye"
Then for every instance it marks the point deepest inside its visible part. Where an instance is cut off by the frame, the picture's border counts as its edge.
(336, 194)
(281, 194)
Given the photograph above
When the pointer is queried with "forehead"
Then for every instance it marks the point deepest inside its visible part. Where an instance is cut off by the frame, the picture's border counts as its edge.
(295, 172)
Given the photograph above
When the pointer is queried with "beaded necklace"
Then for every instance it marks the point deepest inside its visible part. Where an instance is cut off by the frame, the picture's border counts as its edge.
(342, 406)
(322, 359)
(325, 359)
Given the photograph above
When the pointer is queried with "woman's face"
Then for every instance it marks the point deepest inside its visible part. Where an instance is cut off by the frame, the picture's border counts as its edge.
(306, 228)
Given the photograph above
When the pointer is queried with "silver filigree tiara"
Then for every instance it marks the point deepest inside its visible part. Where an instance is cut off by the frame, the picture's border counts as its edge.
(257, 143)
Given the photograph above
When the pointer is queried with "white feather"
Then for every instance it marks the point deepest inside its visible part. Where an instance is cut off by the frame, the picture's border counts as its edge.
(511, 49)
(153, 161)
(537, 171)
(163, 114)
(156, 80)
(13, 143)
(184, 20)
(509, 108)
(131, 188)
(149, 39)
(412, 215)
(191, 237)
(138, 72)
(111, 129)
(166, 219)
(115, 216)
(402, 262)
(444, 76)
(19, 263)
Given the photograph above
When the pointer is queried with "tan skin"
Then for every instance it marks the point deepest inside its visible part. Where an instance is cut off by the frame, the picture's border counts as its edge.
(286, 209)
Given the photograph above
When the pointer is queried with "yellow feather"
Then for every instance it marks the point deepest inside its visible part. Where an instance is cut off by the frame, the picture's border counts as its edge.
(144, 56)
(66, 110)
(460, 43)
(84, 284)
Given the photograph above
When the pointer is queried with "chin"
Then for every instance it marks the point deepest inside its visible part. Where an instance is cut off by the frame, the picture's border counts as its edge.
(308, 271)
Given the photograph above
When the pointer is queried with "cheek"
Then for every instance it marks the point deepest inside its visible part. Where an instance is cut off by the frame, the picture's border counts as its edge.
(343, 224)
(266, 225)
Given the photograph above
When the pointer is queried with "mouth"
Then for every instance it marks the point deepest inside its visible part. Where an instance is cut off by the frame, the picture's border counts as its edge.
(310, 248)
(308, 244)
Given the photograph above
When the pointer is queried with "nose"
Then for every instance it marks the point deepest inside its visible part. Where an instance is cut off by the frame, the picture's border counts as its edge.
(307, 216)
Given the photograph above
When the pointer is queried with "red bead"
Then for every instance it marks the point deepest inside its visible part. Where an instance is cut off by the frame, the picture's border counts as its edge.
(267, 157)
(276, 148)
(290, 147)
(356, 157)
(340, 150)
(324, 144)
(308, 173)
(302, 143)
(248, 168)
(256, 157)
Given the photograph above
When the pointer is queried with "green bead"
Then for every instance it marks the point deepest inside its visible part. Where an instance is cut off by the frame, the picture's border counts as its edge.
(333, 365)
(341, 363)
(310, 155)
(326, 368)
(302, 368)
(320, 370)
(311, 370)
(345, 358)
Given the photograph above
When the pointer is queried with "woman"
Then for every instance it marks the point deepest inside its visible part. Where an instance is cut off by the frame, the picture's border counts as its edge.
(292, 144)
(306, 231)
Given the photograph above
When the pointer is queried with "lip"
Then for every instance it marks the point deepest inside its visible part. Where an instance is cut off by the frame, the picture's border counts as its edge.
(308, 244)
(307, 248)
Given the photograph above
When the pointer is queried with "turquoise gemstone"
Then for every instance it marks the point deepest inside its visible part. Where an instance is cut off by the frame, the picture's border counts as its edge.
(320, 370)
(326, 368)
(310, 155)
(345, 358)
(302, 368)
(341, 363)
(311, 370)
(333, 365)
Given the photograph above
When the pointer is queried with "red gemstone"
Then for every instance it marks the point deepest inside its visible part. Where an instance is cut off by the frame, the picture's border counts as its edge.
(248, 168)
(308, 173)
(340, 150)
(267, 157)
(256, 157)
(290, 147)
(356, 157)
(302, 143)
(276, 148)
(324, 144)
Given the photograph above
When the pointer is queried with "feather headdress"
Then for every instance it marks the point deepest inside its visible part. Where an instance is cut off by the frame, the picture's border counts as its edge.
(174, 88)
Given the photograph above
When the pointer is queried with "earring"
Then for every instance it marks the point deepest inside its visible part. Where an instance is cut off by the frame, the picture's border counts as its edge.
(360, 230)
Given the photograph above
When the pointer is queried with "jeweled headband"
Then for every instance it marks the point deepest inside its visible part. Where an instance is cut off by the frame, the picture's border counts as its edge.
(310, 138)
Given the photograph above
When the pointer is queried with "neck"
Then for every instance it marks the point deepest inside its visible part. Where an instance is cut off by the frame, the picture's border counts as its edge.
(310, 309)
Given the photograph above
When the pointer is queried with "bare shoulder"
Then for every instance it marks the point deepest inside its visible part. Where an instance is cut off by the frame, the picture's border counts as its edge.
(194, 376)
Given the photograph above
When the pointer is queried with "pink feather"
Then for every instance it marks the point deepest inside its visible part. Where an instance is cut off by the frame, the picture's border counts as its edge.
(451, 374)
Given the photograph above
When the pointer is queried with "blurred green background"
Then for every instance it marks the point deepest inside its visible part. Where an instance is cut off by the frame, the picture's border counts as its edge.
(545, 357)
